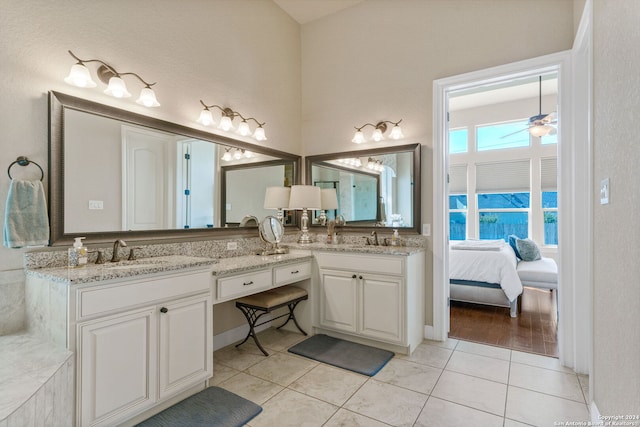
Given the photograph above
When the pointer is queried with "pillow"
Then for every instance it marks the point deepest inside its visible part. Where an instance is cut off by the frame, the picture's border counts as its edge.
(528, 250)
(512, 242)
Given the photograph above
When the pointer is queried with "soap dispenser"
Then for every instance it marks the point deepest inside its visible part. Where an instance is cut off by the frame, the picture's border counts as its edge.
(77, 254)
(395, 238)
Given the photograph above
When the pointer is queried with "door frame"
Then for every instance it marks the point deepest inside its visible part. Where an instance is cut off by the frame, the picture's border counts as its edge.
(574, 250)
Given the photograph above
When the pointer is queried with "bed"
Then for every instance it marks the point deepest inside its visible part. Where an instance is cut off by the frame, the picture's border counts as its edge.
(484, 272)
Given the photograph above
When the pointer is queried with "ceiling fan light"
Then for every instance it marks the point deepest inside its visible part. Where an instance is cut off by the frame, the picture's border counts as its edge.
(540, 130)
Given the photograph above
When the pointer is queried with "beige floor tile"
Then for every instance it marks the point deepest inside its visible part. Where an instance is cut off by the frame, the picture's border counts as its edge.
(428, 354)
(252, 388)
(292, 409)
(540, 409)
(282, 368)
(387, 403)
(279, 339)
(344, 418)
(438, 412)
(449, 343)
(479, 366)
(547, 381)
(330, 384)
(478, 393)
(539, 361)
(484, 350)
(222, 373)
(239, 359)
(512, 423)
(410, 375)
(584, 384)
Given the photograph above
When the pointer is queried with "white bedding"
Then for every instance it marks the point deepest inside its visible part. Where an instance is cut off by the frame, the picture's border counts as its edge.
(487, 266)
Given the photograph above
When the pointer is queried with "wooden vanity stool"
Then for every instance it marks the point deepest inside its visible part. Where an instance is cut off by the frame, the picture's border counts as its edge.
(257, 305)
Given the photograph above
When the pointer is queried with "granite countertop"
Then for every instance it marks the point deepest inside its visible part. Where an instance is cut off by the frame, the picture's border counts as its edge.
(251, 262)
(119, 270)
(367, 249)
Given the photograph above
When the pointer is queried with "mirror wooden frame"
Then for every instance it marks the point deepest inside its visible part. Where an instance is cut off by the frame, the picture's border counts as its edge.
(414, 148)
(58, 102)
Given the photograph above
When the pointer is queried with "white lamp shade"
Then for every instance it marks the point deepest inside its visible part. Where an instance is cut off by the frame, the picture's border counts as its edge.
(243, 128)
(226, 156)
(259, 134)
(329, 199)
(117, 88)
(277, 197)
(225, 123)
(148, 98)
(396, 133)
(79, 76)
(358, 137)
(237, 154)
(305, 197)
(206, 118)
(377, 135)
(540, 130)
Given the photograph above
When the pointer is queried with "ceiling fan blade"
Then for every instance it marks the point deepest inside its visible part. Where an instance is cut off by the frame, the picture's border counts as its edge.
(513, 133)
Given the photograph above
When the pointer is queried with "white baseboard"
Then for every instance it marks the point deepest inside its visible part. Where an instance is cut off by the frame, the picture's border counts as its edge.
(236, 334)
(596, 420)
(429, 332)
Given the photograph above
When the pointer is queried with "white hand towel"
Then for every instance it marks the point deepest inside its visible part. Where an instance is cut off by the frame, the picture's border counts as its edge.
(26, 222)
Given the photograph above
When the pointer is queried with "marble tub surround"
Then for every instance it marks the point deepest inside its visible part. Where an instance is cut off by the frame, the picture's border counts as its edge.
(36, 379)
(12, 308)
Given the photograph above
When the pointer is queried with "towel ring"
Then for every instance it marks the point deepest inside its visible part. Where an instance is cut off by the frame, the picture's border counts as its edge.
(23, 161)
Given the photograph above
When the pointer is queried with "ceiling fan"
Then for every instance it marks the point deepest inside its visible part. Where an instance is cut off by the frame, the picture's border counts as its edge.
(541, 124)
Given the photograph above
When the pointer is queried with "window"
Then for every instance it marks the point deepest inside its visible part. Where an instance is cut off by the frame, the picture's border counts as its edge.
(458, 141)
(458, 217)
(502, 214)
(502, 135)
(550, 211)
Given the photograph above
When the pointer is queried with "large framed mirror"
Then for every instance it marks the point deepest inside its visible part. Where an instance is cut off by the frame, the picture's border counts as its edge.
(375, 188)
(117, 174)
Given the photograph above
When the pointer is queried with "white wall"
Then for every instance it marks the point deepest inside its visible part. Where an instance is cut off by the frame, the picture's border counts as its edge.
(377, 61)
(616, 235)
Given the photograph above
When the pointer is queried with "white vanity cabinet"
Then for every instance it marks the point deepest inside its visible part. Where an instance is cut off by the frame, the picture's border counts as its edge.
(374, 297)
(140, 342)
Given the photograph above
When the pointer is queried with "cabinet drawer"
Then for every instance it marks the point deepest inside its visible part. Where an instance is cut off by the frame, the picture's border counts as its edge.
(243, 284)
(104, 299)
(385, 264)
(291, 273)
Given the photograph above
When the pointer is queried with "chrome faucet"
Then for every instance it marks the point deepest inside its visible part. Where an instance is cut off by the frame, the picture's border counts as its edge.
(116, 248)
(374, 234)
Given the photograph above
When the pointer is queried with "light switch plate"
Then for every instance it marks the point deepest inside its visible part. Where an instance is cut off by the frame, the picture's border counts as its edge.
(604, 191)
(96, 204)
(426, 230)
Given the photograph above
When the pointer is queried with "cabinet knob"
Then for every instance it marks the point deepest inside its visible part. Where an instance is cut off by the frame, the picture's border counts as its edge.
(360, 277)
(164, 310)
(354, 276)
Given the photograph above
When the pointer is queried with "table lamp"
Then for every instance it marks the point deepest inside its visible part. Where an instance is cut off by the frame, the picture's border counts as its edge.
(305, 198)
(329, 201)
(277, 198)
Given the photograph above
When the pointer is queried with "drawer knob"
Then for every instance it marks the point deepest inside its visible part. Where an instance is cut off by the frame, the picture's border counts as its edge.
(295, 272)
(360, 277)
(164, 310)
(248, 283)
(354, 276)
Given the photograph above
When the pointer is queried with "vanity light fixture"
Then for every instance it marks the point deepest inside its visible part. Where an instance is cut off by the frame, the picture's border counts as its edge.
(378, 132)
(79, 76)
(226, 121)
(305, 198)
(375, 165)
(277, 198)
(227, 154)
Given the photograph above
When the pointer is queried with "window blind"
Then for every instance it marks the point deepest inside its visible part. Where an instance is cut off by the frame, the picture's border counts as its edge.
(549, 174)
(503, 177)
(458, 179)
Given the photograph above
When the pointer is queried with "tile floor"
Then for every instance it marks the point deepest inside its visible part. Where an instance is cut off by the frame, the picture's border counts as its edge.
(453, 383)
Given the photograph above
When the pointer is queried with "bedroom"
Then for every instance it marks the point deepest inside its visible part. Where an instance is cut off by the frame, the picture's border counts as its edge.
(503, 182)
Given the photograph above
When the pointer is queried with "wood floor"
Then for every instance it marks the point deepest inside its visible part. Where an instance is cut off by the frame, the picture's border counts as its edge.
(535, 330)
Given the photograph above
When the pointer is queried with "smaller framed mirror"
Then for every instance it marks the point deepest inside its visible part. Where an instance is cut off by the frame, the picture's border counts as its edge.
(271, 231)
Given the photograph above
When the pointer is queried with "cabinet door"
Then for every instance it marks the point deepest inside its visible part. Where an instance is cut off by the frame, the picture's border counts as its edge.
(185, 330)
(382, 310)
(117, 365)
(338, 300)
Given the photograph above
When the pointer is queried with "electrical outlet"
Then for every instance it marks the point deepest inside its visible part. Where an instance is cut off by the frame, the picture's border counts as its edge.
(231, 246)
(96, 204)
(228, 206)
(604, 191)
(426, 230)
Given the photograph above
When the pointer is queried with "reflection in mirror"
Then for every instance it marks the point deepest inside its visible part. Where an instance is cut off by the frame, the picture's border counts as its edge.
(118, 174)
(375, 188)
(271, 232)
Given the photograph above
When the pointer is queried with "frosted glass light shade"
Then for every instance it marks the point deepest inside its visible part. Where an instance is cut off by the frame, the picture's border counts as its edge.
(148, 98)
(243, 128)
(277, 197)
(226, 156)
(206, 118)
(259, 134)
(79, 76)
(225, 123)
(540, 130)
(377, 135)
(358, 137)
(396, 133)
(305, 197)
(117, 88)
(329, 199)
